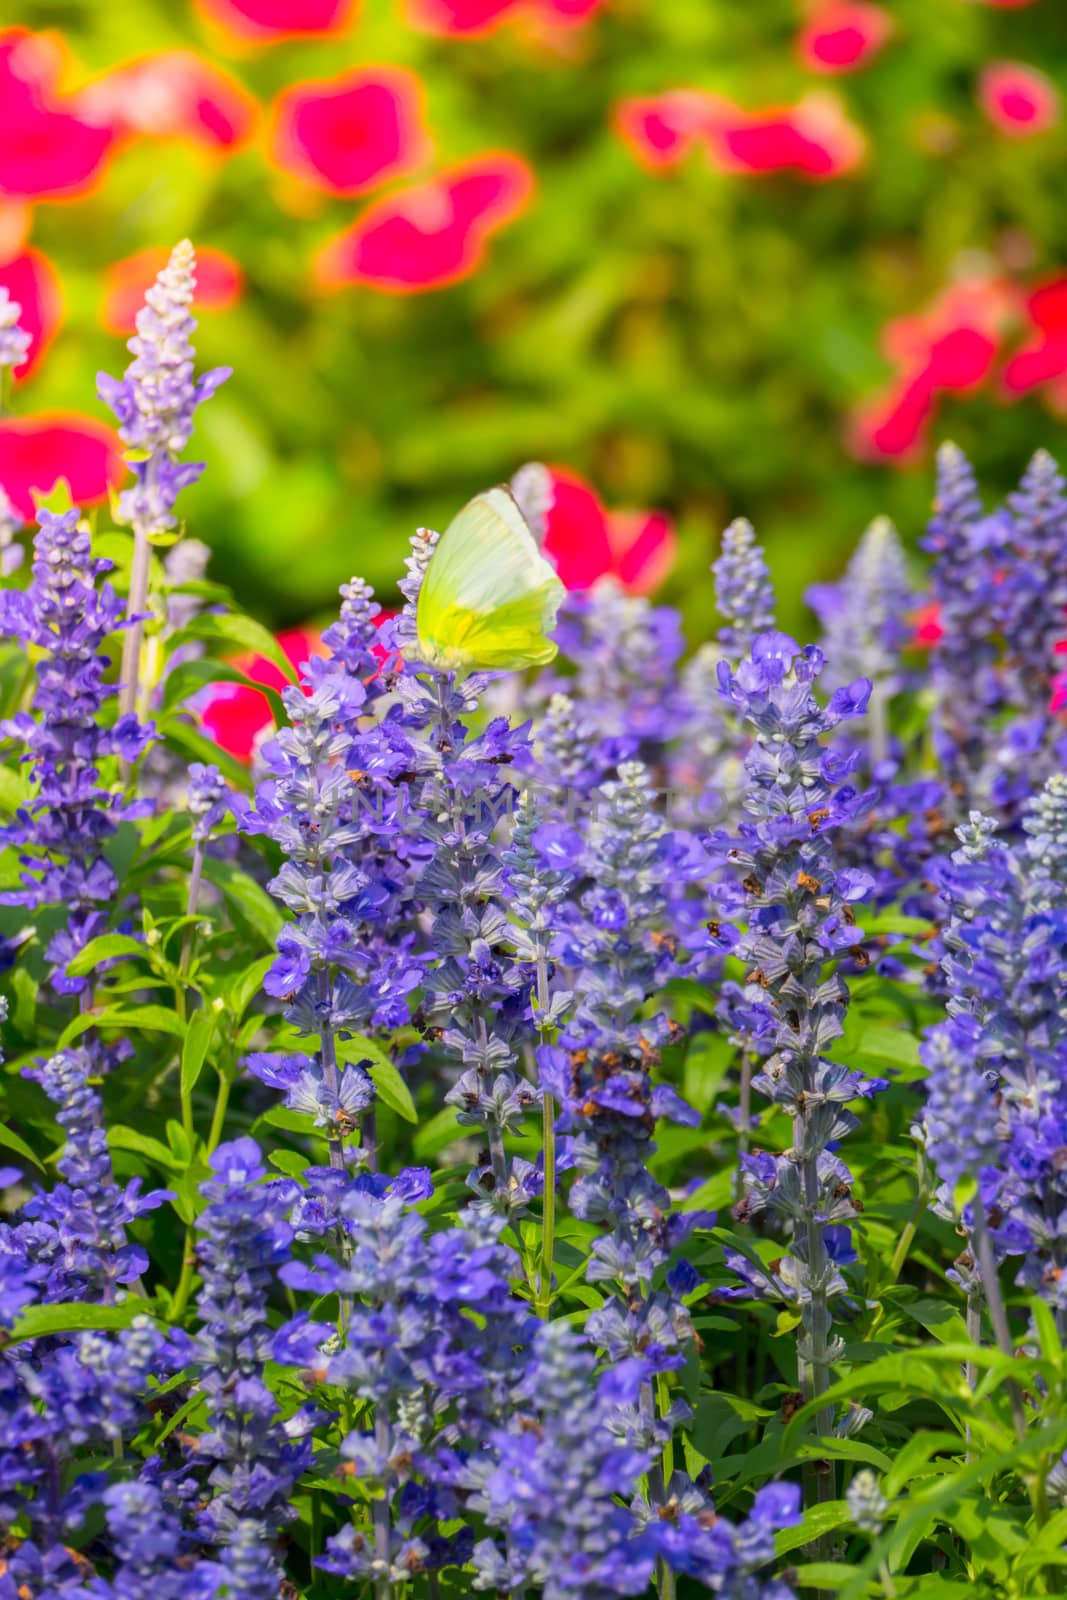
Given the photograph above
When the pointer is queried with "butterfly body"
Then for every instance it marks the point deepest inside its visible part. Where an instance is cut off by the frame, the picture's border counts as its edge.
(489, 598)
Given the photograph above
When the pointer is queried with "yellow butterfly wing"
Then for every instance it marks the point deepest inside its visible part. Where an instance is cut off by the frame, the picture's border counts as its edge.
(489, 598)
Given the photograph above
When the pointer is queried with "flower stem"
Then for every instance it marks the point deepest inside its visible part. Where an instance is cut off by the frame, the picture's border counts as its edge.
(131, 639)
(997, 1315)
(548, 1143)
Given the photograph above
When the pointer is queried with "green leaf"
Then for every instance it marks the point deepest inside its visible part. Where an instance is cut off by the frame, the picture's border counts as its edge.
(105, 948)
(889, 1047)
(12, 1141)
(75, 1316)
(189, 677)
(242, 990)
(135, 1019)
(393, 1090)
(142, 1144)
(818, 1520)
(239, 632)
(176, 729)
(291, 1162)
(437, 1134)
(198, 1036)
(245, 898)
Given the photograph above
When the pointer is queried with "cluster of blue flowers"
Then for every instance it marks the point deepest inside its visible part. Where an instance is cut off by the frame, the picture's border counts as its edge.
(423, 1029)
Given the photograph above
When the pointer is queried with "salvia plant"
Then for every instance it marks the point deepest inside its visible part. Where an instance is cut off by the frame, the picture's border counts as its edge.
(591, 1131)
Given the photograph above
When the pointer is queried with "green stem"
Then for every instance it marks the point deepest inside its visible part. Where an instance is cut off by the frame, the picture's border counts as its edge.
(185, 1281)
(131, 639)
(997, 1315)
(222, 1100)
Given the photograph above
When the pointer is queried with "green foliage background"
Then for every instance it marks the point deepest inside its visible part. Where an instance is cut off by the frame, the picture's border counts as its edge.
(693, 341)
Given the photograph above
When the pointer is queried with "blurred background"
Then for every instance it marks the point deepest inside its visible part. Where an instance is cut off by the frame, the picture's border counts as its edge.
(706, 258)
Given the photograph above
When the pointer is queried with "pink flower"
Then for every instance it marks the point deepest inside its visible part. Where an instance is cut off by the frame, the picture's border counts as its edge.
(349, 133)
(174, 95)
(219, 284)
(469, 18)
(35, 452)
(268, 21)
(949, 348)
(49, 149)
(1043, 358)
(430, 234)
(662, 129)
(236, 716)
(1019, 101)
(843, 35)
(32, 282)
(813, 139)
(929, 629)
(586, 542)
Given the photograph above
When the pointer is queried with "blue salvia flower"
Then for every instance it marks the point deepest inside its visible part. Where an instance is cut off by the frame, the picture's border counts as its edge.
(799, 913)
(155, 402)
(1005, 949)
(76, 1233)
(58, 1396)
(864, 616)
(744, 595)
(156, 398)
(960, 1129)
(308, 807)
(433, 1329)
(14, 340)
(1035, 594)
(67, 616)
(254, 1460)
(625, 652)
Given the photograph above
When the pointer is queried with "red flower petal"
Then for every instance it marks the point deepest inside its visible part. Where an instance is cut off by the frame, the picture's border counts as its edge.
(928, 629)
(46, 150)
(585, 542)
(469, 18)
(352, 132)
(842, 35)
(1044, 356)
(459, 16)
(219, 283)
(35, 452)
(661, 129)
(576, 539)
(267, 21)
(174, 95)
(644, 546)
(895, 426)
(234, 715)
(814, 138)
(1018, 100)
(961, 359)
(32, 282)
(431, 234)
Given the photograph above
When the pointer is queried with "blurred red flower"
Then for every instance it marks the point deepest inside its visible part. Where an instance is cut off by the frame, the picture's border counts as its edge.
(927, 624)
(219, 283)
(432, 233)
(174, 95)
(49, 148)
(949, 348)
(349, 133)
(268, 21)
(843, 35)
(814, 138)
(35, 452)
(33, 283)
(1018, 100)
(235, 715)
(662, 129)
(1043, 358)
(587, 542)
(471, 17)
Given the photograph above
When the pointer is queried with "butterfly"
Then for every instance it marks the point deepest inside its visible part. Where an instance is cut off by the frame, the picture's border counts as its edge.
(489, 598)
